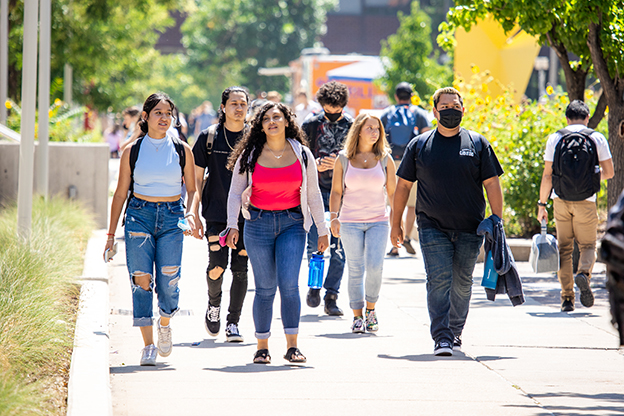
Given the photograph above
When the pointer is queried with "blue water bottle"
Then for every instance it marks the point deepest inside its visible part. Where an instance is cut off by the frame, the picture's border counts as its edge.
(315, 271)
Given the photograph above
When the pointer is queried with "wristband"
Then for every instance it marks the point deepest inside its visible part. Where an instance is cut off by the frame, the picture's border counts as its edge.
(541, 204)
(335, 219)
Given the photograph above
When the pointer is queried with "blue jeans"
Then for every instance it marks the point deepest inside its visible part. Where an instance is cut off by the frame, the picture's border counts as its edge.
(365, 246)
(450, 259)
(336, 259)
(274, 241)
(154, 243)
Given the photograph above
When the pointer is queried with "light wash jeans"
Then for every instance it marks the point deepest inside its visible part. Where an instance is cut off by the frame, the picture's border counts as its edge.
(275, 241)
(154, 242)
(365, 246)
(450, 259)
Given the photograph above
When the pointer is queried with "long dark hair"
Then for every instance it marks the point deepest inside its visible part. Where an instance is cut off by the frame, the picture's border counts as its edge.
(253, 141)
(149, 104)
(225, 96)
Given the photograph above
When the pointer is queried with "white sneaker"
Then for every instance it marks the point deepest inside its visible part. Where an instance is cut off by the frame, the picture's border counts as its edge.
(148, 355)
(232, 334)
(164, 340)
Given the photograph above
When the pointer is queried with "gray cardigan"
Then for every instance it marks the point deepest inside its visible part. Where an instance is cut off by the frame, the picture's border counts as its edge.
(311, 199)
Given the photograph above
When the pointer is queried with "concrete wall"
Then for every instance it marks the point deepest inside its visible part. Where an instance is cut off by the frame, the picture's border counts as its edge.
(83, 165)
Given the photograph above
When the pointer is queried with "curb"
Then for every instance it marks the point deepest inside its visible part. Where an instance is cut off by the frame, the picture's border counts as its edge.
(89, 390)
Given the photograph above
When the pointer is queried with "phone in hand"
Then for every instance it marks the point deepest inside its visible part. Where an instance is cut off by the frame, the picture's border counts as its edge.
(109, 253)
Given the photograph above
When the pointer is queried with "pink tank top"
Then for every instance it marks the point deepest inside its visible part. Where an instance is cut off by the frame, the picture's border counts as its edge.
(364, 197)
(276, 188)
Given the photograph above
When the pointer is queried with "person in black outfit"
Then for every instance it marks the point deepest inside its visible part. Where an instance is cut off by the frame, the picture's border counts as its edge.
(210, 163)
(452, 166)
(326, 133)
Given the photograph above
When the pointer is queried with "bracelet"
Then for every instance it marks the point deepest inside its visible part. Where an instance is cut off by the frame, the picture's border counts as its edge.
(541, 204)
(110, 234)
(335, 219)
(189, 214)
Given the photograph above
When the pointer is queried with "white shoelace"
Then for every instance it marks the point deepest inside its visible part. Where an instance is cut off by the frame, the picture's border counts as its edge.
(213, 313)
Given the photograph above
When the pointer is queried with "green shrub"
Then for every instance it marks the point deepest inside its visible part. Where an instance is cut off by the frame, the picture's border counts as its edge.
(38, 296)
(518, 134)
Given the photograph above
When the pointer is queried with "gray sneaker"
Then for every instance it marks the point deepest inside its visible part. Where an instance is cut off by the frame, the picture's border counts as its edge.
(164, 340)
(148, 355)
(232, 334)
(587, 297)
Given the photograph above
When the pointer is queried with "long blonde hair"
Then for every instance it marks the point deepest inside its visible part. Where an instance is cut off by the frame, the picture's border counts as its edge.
(381, 148)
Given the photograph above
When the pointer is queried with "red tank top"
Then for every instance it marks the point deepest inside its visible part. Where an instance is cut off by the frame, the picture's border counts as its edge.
(276, 188)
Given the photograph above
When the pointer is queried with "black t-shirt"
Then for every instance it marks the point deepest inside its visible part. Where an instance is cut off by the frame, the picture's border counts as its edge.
(450, 181)
(215, 194)
(326, 138)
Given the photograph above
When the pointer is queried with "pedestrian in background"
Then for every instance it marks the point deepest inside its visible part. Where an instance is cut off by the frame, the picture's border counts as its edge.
(212, 150)
(273, 161)
(155, 208)
(364, 175)
(574, 198)
(326, 133)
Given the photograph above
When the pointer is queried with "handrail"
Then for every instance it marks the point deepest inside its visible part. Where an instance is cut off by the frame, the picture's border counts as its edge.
(10, 134)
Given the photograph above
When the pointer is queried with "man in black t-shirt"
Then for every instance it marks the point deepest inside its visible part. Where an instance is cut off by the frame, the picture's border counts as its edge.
(210, 163)
(326, 133)
(452, 166)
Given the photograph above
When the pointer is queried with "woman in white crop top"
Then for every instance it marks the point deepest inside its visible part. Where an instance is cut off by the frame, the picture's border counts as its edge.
(364, 179)
(154, 221)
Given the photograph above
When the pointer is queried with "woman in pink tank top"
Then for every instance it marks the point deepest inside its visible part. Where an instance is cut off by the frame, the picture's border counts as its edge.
(364, 182)
(273, 161)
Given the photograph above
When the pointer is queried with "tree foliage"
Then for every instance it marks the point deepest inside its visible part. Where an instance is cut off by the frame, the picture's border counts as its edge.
(592, 30)
(410, 58)
(230, 40)
(108, 44)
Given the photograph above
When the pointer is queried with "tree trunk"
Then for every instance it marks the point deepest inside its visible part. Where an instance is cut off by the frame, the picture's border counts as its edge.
(616, 143)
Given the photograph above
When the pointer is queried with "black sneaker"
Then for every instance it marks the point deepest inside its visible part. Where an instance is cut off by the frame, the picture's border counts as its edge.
(407, 243)
(314, 297)
(567, 305)
(331, 307)
(443, 348)
(457, 343)
(232, 334)
(587, 297)
(212, 321)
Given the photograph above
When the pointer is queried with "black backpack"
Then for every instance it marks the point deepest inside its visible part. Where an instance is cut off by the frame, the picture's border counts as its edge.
(134, 155)
(576, 169)
(468, 144)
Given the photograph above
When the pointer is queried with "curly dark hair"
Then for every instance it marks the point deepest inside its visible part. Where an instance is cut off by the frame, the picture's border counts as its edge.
(334, 94)
(254, 139)
(225, 96)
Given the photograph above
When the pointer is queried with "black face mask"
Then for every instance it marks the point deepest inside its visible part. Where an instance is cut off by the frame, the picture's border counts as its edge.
(450, 118)
(333, 117)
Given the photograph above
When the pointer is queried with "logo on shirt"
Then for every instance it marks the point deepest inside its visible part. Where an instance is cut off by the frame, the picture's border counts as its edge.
(466, 152)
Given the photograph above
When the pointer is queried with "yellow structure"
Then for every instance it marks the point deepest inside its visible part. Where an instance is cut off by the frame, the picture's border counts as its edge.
(508, 56)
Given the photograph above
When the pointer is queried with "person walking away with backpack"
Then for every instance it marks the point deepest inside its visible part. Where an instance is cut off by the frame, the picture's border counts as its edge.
(152, 169)
(452, 166)
(364, 175)
(403, 122)
(273, 162)
(326, 133)
(212, 150)
(575, 161)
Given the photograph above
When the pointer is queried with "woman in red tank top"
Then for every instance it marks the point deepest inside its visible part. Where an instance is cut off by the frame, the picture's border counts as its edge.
(272, 161)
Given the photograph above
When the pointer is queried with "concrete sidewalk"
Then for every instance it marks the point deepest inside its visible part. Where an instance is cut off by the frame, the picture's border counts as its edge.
(528, 360)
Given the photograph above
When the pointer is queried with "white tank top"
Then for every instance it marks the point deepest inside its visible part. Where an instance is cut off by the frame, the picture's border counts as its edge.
(364, 197)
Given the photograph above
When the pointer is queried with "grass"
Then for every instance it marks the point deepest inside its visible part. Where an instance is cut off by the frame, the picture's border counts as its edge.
(38, 303)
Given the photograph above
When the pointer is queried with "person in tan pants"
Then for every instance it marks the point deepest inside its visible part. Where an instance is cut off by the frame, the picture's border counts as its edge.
(575, 220)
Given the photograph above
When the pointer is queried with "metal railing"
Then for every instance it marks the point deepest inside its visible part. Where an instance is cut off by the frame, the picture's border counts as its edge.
(10, 134)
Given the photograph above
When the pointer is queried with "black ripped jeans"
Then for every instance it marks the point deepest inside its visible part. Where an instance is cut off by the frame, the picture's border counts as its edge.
(218, 257)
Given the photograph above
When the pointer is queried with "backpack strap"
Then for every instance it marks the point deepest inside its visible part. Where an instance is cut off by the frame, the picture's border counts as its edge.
(478, 144)
(344, 162)
(134, 155)
(422, 141)
(210, 137)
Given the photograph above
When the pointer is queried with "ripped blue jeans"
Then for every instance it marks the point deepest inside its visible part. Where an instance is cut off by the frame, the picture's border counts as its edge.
(154, 247)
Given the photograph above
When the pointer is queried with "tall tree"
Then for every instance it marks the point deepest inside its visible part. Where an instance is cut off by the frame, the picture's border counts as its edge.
(410, 58)
(232, 39)
(591, 30)
(108, 43)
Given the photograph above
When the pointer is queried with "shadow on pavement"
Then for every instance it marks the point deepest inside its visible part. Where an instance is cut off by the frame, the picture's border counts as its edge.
(427, 357)
(259, 368)
(402, 280)
(316, 318)
(351, 335)
(128, 369)
(600, 408)
(210, 343)
(562, 314)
